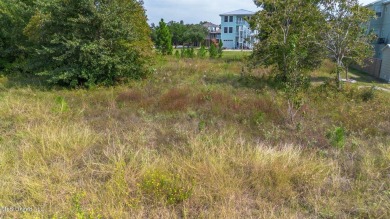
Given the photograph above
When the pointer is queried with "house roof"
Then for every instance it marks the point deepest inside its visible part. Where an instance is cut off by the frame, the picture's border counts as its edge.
(238, 12)
(209, 24)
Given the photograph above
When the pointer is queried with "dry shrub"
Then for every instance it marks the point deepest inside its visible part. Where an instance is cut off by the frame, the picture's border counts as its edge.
(130, 96)
(176, 99)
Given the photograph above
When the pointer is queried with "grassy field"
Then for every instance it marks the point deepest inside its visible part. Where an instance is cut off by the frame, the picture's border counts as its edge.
(197, 139)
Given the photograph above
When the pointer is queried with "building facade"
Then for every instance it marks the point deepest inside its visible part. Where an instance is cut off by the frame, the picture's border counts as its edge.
(381, 25)
(214, 33)
(235, 30)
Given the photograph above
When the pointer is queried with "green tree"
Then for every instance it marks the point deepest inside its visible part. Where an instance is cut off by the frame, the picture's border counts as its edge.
(164, 38)
(14, 15)
(213, 51)
(177, 30)
(290, 41)
(202, 52)
(220, 49)
(346, 37)
(195, 34)
(88, 42)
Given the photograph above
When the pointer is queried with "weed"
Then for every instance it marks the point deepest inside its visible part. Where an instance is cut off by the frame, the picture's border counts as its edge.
(166, 187)
(336, 137)
(61, 105)
(368, 94)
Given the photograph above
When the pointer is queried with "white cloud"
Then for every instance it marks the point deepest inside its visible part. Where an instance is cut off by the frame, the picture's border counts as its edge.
(194, 11)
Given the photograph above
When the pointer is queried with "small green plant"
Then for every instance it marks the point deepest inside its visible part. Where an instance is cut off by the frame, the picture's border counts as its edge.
(61, 105)
(78, 211)
(183, 52)
(368, 94)
(202, 52)
(190, 53)
(213, 51)
(220, 49)
(166, 187)
(336, 137)
(259, 118)
(201, 125)
(177, 54)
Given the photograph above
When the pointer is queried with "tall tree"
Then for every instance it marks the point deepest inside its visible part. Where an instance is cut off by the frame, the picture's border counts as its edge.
(14, 15)
(87, 42)
(195, 34)
(164, 38)
(347, 39)
(177, 30)
(289, 41)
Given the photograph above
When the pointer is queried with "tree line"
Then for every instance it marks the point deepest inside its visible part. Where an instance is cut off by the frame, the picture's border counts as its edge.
(88, 42)
(181, 34)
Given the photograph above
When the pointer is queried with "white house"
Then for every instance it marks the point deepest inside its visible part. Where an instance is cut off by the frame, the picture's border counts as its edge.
(235, 30)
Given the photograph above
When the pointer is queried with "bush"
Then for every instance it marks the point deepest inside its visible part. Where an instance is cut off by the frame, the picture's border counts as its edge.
(336, 137)
(213, 51)
(368, 94)
(78, 43)
(202, 52)
(166, 187)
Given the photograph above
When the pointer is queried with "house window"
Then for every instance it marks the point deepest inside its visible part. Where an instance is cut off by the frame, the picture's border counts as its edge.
(378, 14)
(230, 18)
(230, 29)
(225, 30)
(226, 18)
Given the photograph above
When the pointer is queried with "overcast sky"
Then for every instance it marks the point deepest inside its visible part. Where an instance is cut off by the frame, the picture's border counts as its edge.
(194, 11)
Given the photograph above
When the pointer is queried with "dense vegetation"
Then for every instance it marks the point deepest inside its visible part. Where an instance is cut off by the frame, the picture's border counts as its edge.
(75, 42)
(199, 138)
(208, 138)
(182, 34)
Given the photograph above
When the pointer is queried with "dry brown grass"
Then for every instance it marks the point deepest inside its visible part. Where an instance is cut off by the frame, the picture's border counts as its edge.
(180, 145)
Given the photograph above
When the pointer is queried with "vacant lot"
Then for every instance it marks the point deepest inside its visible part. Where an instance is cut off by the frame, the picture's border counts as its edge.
(198, 139)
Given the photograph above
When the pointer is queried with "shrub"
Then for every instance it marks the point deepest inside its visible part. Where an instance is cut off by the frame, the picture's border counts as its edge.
(213, 51)
(78, 43)
(336, 137)
(177, 54)
(202, 52)
(368, 94)
(160, 186)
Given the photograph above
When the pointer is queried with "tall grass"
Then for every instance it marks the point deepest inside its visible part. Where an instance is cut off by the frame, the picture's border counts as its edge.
(197, 139)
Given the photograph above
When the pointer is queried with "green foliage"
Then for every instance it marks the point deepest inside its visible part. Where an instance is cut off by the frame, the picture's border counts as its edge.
(164, 39)
(336, 137)
(166, 187)
(220, 49)
(177, 30)
(290, 41)
(347, 39)
(289, 36)
(368, 94)
(213, 52)
(259, 118)
(61, 105)
(177, 54)
(201, 125)
(14, 16)
(190, 53)
(86, 42)
(195, 34)
(78, 211)
(202, 52)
